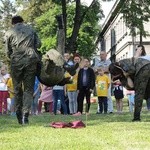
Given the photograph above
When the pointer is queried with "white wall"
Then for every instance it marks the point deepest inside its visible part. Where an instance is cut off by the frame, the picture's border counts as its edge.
(123, 39)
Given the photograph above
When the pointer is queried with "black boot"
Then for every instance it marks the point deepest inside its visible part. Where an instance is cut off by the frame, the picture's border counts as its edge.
(25, 118)
(71, 69)
(19, 116)
(136, 116)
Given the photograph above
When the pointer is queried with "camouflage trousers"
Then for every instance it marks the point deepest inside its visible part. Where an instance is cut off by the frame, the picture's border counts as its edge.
(23, 77)
(141, 84)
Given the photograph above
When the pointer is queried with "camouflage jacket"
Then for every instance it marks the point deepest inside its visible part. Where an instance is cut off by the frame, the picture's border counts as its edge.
(21, 41)
(133, 65)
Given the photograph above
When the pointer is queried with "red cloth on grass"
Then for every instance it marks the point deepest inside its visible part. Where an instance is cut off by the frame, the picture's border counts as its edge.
(74, 124)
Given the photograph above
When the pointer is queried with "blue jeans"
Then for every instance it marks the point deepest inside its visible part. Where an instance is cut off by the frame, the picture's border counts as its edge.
(131, 102)
(59, 95)
(109, 100)
(72, 101)
(34, 106)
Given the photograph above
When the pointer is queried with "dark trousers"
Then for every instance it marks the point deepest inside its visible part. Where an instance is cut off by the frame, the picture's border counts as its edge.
(102, 101)
(84, 92)
(141, 83)
(23, 77)
(148, 103)
(67, 105)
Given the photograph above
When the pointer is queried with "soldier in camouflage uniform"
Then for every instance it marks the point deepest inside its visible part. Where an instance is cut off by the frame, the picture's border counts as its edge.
(138, 69)
(21, 44)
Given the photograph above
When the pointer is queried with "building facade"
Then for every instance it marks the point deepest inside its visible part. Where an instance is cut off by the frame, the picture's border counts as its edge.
(116, 39)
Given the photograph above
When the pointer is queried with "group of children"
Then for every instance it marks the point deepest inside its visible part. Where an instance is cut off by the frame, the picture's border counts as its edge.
(102, 84)
(43, 94)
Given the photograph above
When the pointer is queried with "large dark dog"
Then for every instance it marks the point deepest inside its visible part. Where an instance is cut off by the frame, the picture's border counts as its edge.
(139, 71)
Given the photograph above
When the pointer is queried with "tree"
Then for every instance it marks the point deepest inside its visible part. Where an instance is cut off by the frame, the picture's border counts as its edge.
(80, 14)
(31, 9)
(7, 9)
(79, 32)
(81, 23)
(47, 28)
(136, 13)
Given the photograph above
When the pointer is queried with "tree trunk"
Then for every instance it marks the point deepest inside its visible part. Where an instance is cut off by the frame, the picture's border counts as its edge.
(133, 40)
(78, 20)
(60, 35)
(141, 38)
(64, 18)
(72, 40)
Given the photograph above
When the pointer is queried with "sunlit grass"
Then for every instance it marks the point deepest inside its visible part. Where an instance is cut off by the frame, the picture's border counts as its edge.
(103, 132)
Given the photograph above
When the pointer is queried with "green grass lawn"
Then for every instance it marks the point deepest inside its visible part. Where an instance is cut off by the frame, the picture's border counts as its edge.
(103, 132)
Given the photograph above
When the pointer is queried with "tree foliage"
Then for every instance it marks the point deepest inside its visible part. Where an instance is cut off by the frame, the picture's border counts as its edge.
(7, 9)
(136, 13)
(81, 23)
(47, 27)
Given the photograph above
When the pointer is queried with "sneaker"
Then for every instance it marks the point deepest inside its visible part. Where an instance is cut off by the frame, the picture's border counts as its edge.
(77, 114)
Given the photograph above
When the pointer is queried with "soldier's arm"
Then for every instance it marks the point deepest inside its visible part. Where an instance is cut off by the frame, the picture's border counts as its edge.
(8, 47)
(130, 82)
(37, 41)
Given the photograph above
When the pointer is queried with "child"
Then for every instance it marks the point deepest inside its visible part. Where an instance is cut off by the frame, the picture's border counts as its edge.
(118, 93)
(102, 85)
(46, 96)
(11, 95)
(59, 94)
(4, 76)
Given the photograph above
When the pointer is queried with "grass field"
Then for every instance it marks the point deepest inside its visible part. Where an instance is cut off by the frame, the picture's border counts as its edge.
(103, 132)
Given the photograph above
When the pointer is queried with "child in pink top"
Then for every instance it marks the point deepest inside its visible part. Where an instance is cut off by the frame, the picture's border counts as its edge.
(46, 96)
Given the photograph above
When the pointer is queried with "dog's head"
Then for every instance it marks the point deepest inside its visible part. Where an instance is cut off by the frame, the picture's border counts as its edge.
(116, 71)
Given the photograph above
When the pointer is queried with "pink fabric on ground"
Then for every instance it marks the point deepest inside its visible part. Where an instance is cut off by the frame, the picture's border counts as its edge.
(75, 124)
